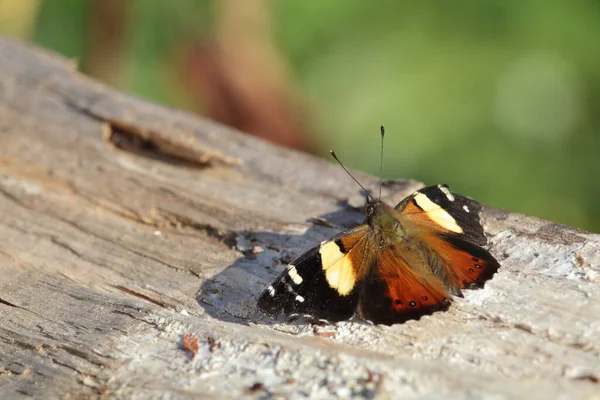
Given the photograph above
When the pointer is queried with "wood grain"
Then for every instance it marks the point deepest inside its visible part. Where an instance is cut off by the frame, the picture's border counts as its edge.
(125, 225)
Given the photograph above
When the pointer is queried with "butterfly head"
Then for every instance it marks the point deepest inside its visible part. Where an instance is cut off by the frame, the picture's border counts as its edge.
(372, 207)
(385, 227)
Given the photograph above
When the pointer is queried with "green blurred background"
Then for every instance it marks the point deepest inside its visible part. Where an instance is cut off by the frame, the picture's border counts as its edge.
(497, 98)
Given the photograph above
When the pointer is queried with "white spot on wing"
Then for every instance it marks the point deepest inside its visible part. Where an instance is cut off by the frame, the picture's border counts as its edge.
(271, 290)
(300, 299)
(466, 208)
(293, 273)
(447, 192)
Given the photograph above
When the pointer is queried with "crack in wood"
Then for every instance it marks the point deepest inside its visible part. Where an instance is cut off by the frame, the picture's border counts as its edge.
(34, 313)
(13, 198)
(129, 138)
(587, 377)
(148, 143)
(65, 365)
(120, 245)
(92, 358)
(141, 296)
(2, 301)
(163, 219)
(151, 323)
(59, 242)
(160, 218)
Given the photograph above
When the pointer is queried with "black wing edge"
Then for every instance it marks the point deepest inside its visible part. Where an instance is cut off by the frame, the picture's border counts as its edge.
(465, 211)
(485, 259)
(311, 294)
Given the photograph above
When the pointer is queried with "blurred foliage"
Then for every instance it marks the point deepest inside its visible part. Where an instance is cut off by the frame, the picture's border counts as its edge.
(499, 99)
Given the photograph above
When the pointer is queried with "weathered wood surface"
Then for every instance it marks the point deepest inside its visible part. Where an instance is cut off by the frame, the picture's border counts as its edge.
(124, 225)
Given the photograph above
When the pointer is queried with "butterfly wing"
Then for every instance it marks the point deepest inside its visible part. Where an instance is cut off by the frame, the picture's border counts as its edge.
(396, 290)
(448, 230)
(322, 282)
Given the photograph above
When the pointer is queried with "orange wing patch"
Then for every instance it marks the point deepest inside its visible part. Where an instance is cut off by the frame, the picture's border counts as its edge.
(427, 214)
(466, 264)
(436, 213)
(346, 242)
(398, 292)
(342, 260)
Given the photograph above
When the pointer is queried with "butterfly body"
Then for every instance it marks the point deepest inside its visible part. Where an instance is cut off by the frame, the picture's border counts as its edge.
(385, 230)
(402, 263)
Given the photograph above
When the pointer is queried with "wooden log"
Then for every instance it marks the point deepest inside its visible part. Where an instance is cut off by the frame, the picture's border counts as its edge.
(125, 226)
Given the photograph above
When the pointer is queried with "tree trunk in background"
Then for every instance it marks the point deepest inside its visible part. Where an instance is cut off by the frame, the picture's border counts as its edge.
(108, 23)
(242, 80)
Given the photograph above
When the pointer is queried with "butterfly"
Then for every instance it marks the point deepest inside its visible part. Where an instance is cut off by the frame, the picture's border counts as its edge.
(402, 263)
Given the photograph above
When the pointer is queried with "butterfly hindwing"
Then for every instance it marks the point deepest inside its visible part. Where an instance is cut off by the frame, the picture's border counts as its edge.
(396, 291)
(322, 282)
(469, 265)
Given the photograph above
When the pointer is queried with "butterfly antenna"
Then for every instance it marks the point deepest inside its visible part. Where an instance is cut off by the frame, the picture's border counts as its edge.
(381, 161)
(348, 172)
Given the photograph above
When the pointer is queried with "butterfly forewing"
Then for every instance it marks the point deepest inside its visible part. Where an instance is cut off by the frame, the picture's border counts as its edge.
(436, 208)
(321, 282)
